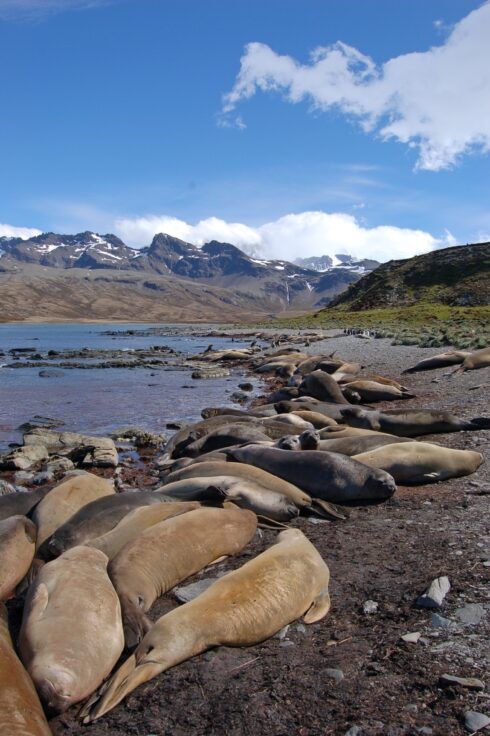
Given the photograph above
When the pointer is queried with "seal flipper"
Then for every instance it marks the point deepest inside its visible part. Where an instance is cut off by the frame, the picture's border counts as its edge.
(39, 601)
(328, 510)
(480, 423)
(318, 609)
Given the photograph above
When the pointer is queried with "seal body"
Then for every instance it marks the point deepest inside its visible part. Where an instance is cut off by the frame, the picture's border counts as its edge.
(17, 547)
(20, 504)
(171, 551)
(243, 608)
(138, 521)
(358, 443)
(21, 713)
(323, 387)
(71, 635)
(374, 391)
(409, 423)
(452, 357)
(476, 360)
(421, 462)
(65, 499)
(325, 475)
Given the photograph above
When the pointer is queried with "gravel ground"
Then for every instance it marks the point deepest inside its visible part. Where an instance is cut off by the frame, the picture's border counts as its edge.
(351, 673)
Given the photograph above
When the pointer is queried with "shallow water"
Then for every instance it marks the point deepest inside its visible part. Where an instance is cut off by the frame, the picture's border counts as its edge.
(100, 400)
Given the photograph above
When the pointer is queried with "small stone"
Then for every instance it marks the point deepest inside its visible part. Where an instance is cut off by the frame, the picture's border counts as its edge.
(434, 596)
(23, 476)
(354, 731)
(369, 607)
(425, 730)
(45, 477)
(440, 622)
(486, 563)
(412, 638)
(472, 613)
(281, 634)
(286, 643)
(475, 721)
(470, 683)
(187, 593)
(411, 708)
(246, 386)
(6, 487)
(334, 674)
(301, 629)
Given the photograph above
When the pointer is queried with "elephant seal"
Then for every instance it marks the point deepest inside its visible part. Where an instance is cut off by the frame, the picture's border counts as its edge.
(66, 499)
(243, 492)
(21, 504)
(359, 443)
(322, 387)
(374, 391)
(306, 403)
(325, 475)
(17, 547)
(21, 713)
(245, 607)
(230, 434)
(168, 553)
(344, 430)
(95, 519)
(411, 423)
(71, 635)
(443, 360)
(421, 462)
(319, 421)
(292, 420)
(309, 440)
(138, 521)
(247, 472)
(474, 361)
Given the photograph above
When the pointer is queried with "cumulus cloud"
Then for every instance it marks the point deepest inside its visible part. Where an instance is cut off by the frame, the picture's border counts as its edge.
(292, 236)
(10, 231)
(436, 101)
(25, 9)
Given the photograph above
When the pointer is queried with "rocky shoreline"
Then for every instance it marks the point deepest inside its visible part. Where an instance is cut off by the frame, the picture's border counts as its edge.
(377, 664)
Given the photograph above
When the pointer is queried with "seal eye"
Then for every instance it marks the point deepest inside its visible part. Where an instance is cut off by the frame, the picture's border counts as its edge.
(141, 601)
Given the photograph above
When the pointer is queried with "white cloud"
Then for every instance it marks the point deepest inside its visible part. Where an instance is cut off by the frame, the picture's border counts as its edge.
(437, 101)
(292, 236)
(26, 9)
(10, 231)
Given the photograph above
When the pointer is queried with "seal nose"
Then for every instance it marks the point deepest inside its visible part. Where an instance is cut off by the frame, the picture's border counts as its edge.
(55, 686)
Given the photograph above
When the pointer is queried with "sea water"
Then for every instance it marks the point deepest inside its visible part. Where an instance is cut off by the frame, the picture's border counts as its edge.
(100, 400)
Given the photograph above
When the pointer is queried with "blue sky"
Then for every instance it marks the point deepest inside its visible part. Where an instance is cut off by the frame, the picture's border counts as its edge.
(211, 118)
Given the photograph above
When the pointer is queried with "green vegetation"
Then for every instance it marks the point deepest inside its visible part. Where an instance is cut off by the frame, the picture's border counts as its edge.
(427, 325)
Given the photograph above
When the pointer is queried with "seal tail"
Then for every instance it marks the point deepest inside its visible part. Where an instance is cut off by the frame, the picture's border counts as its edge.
(125, 680)
(135, 623)
(480, 423)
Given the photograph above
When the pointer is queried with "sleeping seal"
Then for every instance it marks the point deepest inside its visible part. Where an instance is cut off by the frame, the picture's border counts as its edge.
(66, 499)
(323, 387)
(325, 475)
(17, 547)
(21, 713)
(374, 391)
(168, 553)
(20, 504)
(474, 361)
(243, 608)
(452, 357)
(421, 462)
(71, 635)
(411, 422)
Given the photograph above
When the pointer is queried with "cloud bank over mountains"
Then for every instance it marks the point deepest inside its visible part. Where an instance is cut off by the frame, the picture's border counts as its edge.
(292, 236)
(435, 101)
(10, 231)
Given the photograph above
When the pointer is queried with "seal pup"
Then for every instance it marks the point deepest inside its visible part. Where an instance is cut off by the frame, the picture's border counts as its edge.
(243, 608)
(137, 521)
(168, 553)
(230, 434)
(411, 422)
(421, 462)
(17, 547)
(21, 713)
(325, 475)
(474, 361)
(65, 499)
(71, 635)
(19, 503)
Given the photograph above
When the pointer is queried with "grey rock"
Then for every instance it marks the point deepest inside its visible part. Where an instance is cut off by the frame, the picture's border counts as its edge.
(472, 613)
(412, 637)
(425, 730)
(334, 674)
(475, 721)
(186, 593)
(434, 596)
(23, 458)
(354, 731)
(24, 476)
(44, 477)
(300, 628)
(440, 622)
(369, 607)
(246, 386)
(470, 683)
(286, 643)
(58, 464)
(282, 633)
(6, 487)
(411, 708)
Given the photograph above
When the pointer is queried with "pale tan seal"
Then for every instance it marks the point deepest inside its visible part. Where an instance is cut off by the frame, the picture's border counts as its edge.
(168, 553)
(369, 391)
(72, 634)
(138, 521)
(243, 608)
(421, 462)
(65, 499)
(21, 713)
(474, 361)
(313, 417)
(442, 360)
(17, 547)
